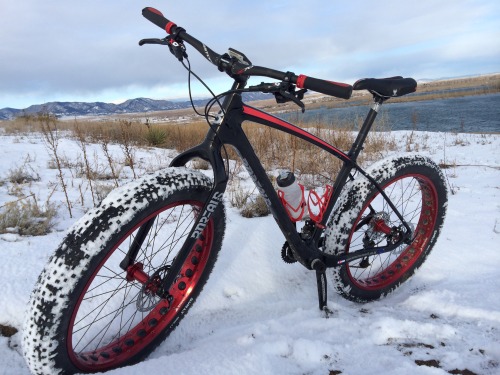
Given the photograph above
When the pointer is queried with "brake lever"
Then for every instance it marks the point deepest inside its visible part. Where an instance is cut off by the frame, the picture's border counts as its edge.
(177, 48)
(152, 41)
(286, 95)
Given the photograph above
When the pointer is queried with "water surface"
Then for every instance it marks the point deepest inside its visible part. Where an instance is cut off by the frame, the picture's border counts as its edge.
(479, 113)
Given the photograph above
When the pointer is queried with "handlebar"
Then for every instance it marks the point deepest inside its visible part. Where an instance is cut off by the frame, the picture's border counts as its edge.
(155, 16)
(239, 68)
(340, 90)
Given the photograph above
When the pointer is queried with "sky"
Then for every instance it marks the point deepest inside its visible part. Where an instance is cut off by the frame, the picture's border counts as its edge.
(88, 50)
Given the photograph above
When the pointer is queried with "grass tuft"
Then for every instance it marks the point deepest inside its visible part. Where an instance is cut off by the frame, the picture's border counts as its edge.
(27, 217)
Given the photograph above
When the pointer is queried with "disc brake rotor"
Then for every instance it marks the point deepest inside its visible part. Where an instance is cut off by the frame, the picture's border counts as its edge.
(148, 296)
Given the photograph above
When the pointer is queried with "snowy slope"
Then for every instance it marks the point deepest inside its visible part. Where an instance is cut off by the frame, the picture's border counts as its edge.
(258, 315)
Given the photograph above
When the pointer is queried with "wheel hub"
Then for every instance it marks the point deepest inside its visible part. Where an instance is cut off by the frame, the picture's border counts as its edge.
(151, 291)
(378, 228)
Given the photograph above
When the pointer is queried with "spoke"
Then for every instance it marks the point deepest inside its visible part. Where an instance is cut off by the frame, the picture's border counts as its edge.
(413, 192)
(101, 306)
(108, 292)
(108, 279)
(96, 319)
(118, 311)
(171, 245)
(167, 244)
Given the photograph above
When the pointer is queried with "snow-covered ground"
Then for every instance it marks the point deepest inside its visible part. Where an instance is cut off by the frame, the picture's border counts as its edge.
(258, 315)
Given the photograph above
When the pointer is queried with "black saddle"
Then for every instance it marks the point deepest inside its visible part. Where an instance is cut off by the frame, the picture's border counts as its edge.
(387, 87)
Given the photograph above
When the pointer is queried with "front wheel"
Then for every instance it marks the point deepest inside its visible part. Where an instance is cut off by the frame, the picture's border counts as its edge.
(363, 219)
(88, 313)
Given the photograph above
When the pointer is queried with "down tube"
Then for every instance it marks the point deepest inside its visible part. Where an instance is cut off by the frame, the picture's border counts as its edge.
(304, 253)
(258, 116)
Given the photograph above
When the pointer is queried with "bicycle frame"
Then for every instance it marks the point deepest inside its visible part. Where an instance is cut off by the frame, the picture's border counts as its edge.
(228, 130)
(107, 318)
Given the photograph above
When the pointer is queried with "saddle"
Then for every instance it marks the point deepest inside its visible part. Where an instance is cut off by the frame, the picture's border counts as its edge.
(387, 87)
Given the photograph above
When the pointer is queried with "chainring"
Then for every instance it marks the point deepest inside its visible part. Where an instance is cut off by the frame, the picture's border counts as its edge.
(286, 254)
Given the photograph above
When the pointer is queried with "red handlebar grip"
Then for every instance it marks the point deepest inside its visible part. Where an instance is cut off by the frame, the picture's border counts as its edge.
(340, 90)
(155, 16)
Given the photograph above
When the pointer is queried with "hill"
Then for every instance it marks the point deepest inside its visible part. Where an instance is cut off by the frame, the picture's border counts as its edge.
(138, 105)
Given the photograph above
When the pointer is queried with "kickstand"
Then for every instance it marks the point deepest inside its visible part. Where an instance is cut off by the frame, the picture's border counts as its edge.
(322, 288)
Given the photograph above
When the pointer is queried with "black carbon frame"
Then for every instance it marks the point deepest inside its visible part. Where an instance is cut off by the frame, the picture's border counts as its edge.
(228, 131)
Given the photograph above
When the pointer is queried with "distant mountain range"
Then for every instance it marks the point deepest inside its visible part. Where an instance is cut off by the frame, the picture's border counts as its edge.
(139, 105)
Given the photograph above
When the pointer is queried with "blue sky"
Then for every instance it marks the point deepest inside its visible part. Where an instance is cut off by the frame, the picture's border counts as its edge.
(87, 51)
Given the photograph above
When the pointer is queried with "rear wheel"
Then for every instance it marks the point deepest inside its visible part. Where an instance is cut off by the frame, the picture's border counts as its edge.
(111, 317)
(364, 219)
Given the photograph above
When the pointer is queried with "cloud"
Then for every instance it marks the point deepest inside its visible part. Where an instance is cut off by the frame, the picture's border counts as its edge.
(70, 50)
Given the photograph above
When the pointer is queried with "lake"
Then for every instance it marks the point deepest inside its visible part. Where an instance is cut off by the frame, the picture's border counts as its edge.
(479, 113)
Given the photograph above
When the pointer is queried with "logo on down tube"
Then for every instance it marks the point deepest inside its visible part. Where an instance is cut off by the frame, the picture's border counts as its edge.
(211, 207)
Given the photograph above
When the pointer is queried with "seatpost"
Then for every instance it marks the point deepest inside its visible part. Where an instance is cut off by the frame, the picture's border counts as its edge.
(357, 146)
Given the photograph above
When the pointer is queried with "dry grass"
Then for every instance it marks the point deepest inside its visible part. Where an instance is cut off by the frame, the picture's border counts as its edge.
(23, 174)
(255, 208)
(27, 217)
(49, 127)
(276, 150)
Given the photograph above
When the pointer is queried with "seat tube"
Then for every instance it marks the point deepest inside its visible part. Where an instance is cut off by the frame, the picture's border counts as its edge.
(358, 144)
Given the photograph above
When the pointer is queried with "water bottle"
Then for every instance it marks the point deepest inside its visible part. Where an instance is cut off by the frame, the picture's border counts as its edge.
(291, 194)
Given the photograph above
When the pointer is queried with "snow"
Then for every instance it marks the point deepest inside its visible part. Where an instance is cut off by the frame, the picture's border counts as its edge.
(258, 315)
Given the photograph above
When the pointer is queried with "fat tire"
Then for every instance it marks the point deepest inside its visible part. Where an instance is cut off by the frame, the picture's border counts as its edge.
(84, 251)
(353, 203)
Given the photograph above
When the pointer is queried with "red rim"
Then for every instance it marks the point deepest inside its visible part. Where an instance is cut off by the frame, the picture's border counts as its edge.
(416, 198)
(107, 313)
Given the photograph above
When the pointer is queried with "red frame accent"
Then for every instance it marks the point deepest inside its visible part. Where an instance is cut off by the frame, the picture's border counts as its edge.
(169, 27)
(155, 11)
(300, 81)
(290, 128)
(339, 84)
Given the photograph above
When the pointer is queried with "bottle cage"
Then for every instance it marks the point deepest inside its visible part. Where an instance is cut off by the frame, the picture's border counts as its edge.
(300, 210)
(317, 204)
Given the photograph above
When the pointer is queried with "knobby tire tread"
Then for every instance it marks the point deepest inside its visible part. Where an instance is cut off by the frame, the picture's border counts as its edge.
(350, 205)
(69, 268)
